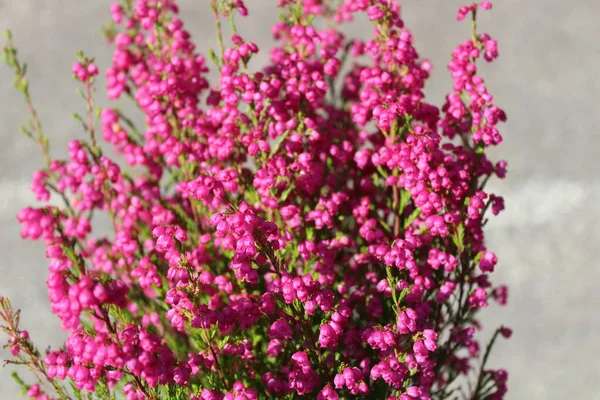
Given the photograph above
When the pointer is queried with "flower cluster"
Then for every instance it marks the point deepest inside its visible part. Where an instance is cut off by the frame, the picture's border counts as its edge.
(312, 227)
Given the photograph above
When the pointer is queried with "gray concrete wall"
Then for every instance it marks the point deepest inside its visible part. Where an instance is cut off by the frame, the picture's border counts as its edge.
(547, 239)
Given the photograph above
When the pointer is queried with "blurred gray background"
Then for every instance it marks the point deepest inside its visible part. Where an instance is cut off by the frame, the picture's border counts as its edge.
(547, 240)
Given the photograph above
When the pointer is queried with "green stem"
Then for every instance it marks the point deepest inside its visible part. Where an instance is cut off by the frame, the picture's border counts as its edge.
(480, 379)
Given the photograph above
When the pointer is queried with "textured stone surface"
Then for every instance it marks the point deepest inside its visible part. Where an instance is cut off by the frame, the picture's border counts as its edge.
(547, 240)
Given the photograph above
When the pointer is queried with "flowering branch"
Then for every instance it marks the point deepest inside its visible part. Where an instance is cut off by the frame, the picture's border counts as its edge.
(313, 229)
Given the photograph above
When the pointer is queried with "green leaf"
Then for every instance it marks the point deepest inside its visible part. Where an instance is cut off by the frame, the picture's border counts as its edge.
(382, 172)
(213, 57)
(287, 192)
(278, 143)
(27, 132)
(70, 253)
(76, 391)
(19, 382)
(459, 237)
(121, 315)
(224, 341)
(478, 258)
(392, 283)
(404, 200)
(479, 149)
(176, 392)
(80, 119)
(23, 84)
(403, 293)
(412, 217)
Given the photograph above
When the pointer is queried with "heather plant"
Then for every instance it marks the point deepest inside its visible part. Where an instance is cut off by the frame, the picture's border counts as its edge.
(310, 228)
